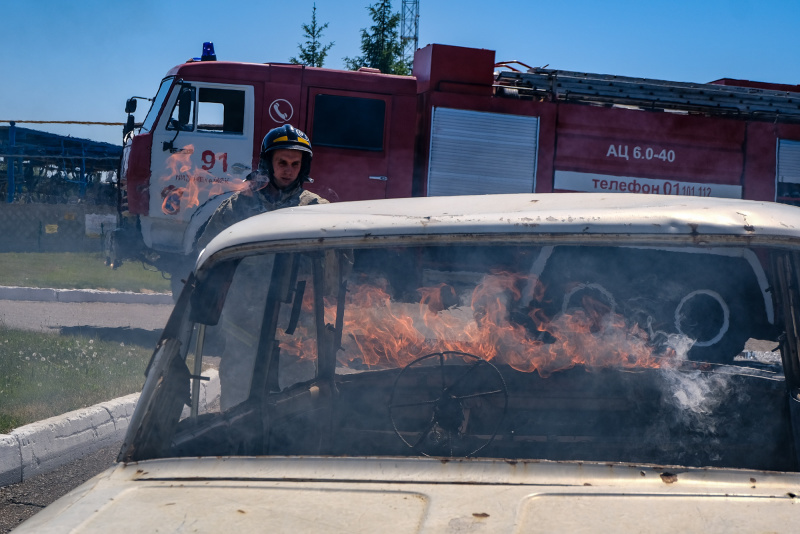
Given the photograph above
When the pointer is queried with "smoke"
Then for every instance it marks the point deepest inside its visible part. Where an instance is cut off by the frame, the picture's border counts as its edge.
(692, 394)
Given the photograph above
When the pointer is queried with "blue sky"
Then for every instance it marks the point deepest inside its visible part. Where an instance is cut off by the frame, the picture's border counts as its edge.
(80, 60)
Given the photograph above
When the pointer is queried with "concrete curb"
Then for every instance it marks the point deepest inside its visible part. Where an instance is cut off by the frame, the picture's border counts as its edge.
(43, 446)
(82, 295)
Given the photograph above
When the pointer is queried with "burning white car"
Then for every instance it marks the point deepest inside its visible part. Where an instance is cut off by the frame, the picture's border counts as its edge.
(492, 363)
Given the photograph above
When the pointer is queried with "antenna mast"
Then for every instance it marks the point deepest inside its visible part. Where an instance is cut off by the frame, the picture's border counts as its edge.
(409, 30)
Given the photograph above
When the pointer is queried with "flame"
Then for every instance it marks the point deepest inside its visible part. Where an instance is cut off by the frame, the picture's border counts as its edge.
(179, 168)
(380, 332)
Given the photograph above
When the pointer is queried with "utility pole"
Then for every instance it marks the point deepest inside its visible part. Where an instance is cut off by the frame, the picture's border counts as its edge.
(409, 30)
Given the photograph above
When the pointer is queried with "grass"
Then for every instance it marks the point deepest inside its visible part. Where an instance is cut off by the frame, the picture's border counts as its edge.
(69, 270)
(63, 373)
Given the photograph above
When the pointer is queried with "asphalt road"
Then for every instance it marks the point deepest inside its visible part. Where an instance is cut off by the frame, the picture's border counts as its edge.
(53, 316)
(139, 324)
(20, 501)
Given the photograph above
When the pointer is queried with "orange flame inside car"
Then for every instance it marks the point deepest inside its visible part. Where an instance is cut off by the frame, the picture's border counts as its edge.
(380, 332)
(179, 167)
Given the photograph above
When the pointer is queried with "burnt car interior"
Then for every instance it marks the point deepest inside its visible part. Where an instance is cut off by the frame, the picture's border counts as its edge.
(497, 350)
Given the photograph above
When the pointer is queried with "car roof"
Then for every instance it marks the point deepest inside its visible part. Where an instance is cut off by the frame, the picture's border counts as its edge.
(560, 214)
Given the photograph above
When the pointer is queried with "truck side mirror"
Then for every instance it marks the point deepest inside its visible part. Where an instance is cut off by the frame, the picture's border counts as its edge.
(186, 99)
(129, 125)
(182, 118)
(130, 105)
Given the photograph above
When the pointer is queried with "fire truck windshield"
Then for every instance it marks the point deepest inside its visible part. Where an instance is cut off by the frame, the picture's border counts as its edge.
(158, 102)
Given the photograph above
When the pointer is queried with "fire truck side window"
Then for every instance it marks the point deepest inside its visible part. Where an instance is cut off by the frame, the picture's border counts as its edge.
(349, 122)
(220, 111)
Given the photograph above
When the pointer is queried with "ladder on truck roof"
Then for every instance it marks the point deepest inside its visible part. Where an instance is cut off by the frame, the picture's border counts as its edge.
(645, 93)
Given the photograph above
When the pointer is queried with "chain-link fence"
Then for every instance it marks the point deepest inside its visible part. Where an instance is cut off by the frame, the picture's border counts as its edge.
(38, 227)
(57, 193)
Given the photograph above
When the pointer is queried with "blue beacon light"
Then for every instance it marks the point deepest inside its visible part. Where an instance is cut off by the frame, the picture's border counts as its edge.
(208, 52)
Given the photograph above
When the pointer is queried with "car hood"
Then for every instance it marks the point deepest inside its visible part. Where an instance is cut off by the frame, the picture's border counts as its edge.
(420, 495)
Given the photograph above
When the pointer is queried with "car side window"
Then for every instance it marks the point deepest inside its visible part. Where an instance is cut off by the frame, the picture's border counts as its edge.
(233, 341)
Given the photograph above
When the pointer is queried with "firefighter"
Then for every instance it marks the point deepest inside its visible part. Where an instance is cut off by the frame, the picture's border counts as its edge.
(283, 168)
(277, 183)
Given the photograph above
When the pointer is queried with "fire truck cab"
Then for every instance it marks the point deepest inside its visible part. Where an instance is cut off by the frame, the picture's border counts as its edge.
(203, 133)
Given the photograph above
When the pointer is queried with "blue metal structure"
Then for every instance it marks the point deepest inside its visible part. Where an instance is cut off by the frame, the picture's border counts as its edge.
(24, 148)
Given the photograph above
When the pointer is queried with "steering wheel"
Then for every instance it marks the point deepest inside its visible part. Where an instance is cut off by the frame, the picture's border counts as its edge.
(448, 404)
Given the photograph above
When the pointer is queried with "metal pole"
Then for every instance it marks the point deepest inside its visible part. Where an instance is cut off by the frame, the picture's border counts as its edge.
(83, 171)
(10, 162)
(198, 369)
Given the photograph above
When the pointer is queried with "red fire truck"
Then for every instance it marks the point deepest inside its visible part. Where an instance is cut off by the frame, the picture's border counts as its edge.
(462, 124)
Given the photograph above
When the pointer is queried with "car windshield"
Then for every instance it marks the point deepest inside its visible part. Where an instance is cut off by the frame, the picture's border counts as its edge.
(509, 350)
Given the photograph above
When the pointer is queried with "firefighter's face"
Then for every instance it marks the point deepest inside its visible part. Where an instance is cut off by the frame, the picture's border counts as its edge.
(286, 166)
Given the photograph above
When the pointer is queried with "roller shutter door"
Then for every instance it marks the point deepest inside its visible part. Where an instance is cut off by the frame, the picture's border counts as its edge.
(788, 161)
(475, 152)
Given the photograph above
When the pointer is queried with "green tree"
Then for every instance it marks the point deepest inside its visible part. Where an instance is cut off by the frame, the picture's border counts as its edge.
(313, 53)
(380, 46)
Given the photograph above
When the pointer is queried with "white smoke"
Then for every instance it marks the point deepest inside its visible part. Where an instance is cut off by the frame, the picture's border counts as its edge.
(693, 394)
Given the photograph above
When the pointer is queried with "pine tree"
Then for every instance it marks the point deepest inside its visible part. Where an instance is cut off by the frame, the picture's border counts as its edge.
(313, 53)
(381, 47)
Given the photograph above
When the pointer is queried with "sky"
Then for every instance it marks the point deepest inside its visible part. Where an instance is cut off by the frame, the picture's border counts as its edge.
(79, 60)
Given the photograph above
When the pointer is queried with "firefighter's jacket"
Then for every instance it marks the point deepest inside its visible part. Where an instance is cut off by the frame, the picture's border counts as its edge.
(249, 202)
